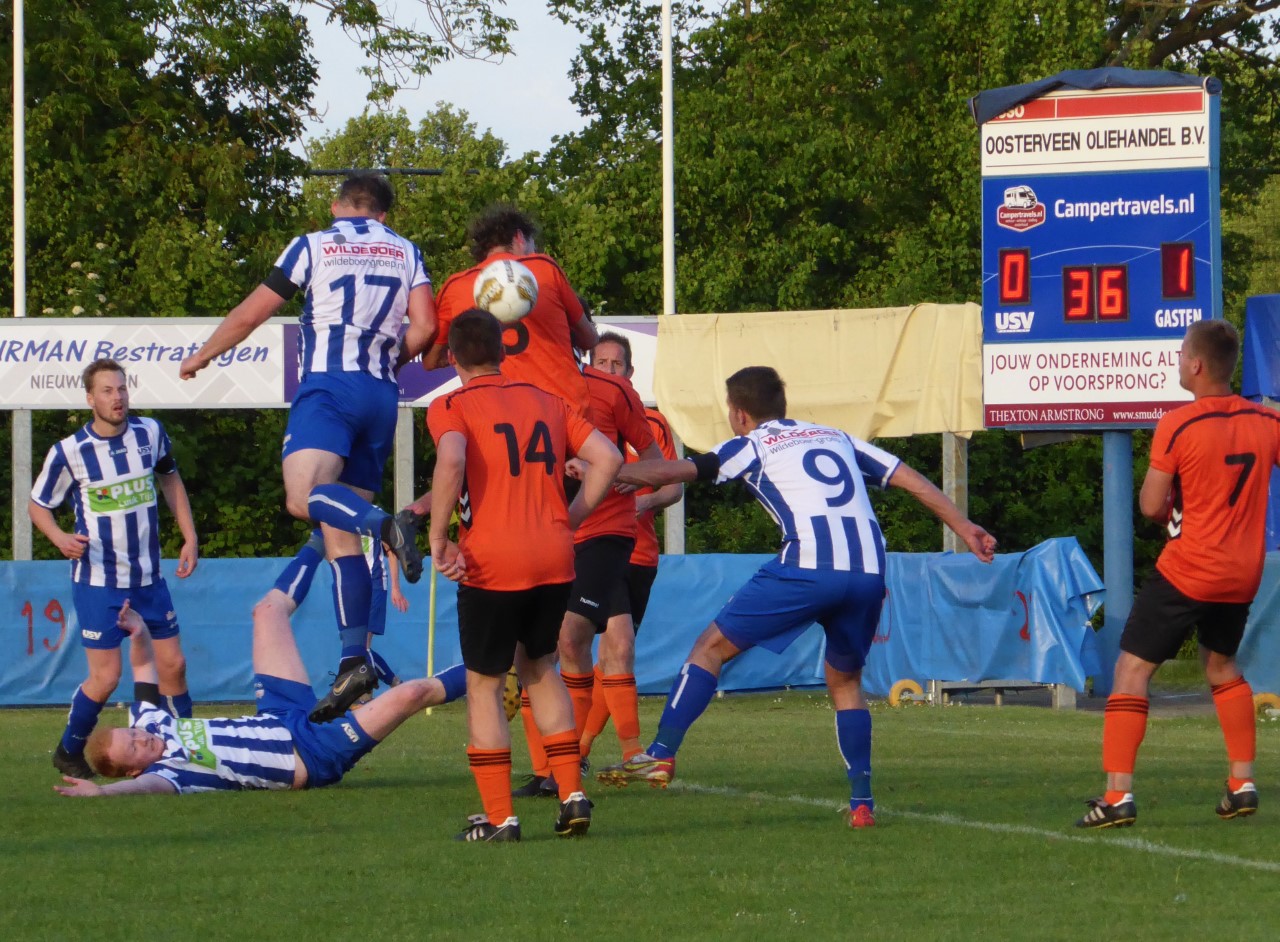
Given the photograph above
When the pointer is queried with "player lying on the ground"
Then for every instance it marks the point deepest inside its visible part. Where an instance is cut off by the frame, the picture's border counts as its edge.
(813, 480)
(278, 748)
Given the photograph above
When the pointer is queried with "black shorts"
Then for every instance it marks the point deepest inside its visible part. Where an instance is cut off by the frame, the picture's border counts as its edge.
(600, 578)
(639, 585)
(1163, 618)
(491, 623)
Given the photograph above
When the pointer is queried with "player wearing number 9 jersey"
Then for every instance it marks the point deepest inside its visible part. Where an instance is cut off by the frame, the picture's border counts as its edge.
(501, 447)
(813, 481)
(538, 348)
(1208, 480)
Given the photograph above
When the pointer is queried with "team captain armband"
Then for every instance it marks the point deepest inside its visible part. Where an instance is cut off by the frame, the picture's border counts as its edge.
(147, 693)
(708, 465)
(279, 282)
(166, 465)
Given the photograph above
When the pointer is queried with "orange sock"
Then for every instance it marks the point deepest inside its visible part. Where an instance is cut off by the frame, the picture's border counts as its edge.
(1234, 703)
(562, 753)
(537, 754)
(580, 693)
(492, 771)
(624, 706)
(598, 718)
(1123, 726)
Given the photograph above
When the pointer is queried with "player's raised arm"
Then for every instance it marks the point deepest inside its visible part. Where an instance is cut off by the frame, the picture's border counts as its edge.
(659, 472)
(244, 319)
(141, 657)
(981, 543)
(602, 463)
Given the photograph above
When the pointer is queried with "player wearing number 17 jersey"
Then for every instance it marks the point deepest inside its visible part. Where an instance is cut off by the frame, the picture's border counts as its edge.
(1208, 479)
(813, 480)
(367, 310)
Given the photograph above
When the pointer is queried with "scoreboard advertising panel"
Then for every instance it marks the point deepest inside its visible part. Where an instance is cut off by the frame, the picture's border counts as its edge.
(1100, 244)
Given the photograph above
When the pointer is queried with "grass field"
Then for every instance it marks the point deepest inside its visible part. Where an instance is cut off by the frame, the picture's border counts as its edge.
(974, 838)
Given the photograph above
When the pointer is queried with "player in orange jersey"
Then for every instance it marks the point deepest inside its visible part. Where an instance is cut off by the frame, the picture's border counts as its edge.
(602, 547)
(617, 648)
(501, 448)
(539, 347)
(1208, 479)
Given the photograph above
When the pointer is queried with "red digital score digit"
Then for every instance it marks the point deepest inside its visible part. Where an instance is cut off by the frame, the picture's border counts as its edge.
(1077, 294)
(1015, 276)
(1113, 292)
(1177, 271)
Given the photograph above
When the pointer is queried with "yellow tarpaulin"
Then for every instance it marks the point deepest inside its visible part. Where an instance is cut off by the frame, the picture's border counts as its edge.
(881, 372)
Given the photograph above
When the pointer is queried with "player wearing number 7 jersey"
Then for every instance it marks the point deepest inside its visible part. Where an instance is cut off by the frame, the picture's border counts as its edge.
(813, 480)
(1208, 480)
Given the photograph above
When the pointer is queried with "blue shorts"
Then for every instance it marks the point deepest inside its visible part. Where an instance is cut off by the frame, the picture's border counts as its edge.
(98, 608)
(328, 750)
(352, 415)
(779, 602)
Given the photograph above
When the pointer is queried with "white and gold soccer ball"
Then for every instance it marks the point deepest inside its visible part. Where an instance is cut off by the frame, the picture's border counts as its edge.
(506, 289)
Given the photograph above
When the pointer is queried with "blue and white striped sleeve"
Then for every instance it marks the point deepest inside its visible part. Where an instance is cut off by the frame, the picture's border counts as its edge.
(294, 264)
(738, 457)
(165, 463)
(50, 488)
(876, 464)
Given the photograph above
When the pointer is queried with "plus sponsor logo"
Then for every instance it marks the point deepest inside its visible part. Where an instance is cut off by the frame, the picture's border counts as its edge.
(194, 736)
(1021, 209)
(123, 495)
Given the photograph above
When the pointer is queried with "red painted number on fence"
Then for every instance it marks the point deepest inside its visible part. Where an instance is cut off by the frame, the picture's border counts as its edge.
(53, 612)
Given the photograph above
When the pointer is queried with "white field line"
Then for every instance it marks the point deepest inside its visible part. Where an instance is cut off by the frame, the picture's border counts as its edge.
(1129, 843)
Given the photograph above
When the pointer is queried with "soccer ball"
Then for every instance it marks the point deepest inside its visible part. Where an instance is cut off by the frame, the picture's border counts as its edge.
(511, 695)
(506, 289)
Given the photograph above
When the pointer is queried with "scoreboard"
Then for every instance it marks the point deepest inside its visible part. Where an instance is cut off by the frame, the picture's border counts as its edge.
(1101, 242)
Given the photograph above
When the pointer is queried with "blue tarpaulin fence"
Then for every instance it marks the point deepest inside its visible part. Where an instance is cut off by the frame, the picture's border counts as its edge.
(948, 617)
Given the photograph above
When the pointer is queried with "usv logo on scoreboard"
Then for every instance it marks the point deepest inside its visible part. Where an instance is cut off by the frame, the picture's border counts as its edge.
(1014, 322)
(1021, 210)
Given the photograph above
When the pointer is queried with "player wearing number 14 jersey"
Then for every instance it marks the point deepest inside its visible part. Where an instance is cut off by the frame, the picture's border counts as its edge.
(501, 447)
(1208, 480)
(812, 479)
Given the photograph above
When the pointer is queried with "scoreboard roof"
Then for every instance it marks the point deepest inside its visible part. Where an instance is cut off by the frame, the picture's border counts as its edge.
(996, 101)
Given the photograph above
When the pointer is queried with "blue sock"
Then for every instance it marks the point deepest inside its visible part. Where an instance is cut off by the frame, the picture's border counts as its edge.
(454, 680)
(380, 667)
(344, 509)
(853, 734)
(689, 696)
(179, 704)
(81, 719)
(351, 589)
(295, 580)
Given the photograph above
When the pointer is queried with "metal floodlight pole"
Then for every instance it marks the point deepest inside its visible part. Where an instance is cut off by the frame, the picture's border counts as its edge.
(673, 516)
(20, 445)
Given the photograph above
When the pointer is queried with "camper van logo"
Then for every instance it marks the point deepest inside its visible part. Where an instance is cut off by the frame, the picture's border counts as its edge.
(1021, 210)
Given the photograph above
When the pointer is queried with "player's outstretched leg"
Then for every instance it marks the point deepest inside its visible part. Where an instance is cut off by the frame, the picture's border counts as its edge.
(690, 694)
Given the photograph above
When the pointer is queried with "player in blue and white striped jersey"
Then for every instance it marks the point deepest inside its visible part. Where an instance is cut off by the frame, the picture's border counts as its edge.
(367, 310)
(278, 747)
(813, 481)
(110, 470)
